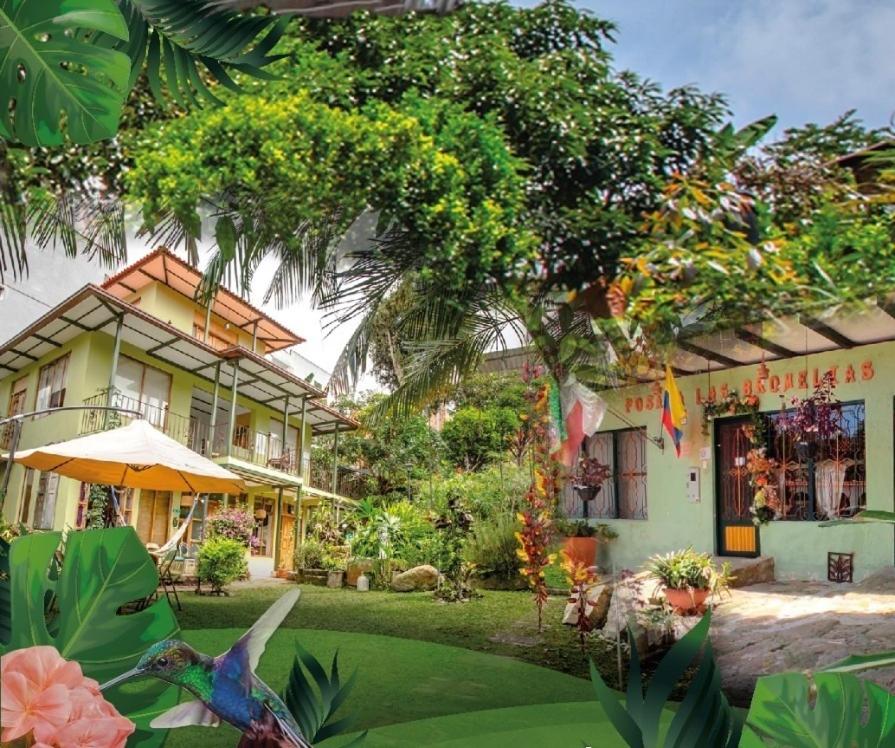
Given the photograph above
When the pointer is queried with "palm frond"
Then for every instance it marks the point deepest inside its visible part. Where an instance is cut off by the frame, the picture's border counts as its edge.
(80, 224)
(187, 43)
(342, 8)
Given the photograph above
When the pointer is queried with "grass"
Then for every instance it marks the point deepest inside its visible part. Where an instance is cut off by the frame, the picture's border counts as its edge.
(502, 623)
(404, 681)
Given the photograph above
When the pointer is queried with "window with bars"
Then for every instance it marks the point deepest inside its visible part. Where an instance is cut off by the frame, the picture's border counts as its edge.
(831, 481)
(623, 494)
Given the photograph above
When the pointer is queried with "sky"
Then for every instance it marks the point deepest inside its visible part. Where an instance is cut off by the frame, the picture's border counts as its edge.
(803, 60)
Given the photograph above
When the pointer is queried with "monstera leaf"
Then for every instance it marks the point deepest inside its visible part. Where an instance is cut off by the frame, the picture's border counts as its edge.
(101, 571)
(832, 709)
(50, 73)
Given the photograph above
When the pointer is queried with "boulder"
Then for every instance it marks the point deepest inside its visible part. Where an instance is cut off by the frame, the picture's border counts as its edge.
(596, 608)
(630, 595)
(416, 579)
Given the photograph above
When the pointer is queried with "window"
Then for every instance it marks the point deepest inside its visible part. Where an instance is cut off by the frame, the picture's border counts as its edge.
(51, 384)
(831, 482)
(623, 494)
(145, 389)
(16, 407)
(45, 503)
(27, 492)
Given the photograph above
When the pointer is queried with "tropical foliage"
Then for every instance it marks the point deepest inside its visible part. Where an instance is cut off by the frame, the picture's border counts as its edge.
(703, 718)
(75, 607)
(314, 706)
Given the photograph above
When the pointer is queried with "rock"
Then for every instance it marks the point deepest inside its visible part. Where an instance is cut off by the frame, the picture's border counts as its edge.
(416, 579)
(749, 571)
(630, 595)
(598, 598)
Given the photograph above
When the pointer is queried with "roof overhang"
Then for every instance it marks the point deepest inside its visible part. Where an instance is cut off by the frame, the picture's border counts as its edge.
(164, 267)
(92, 309)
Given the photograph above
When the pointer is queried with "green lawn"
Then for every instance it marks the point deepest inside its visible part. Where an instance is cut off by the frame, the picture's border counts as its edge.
(503, 623)
(405, 681)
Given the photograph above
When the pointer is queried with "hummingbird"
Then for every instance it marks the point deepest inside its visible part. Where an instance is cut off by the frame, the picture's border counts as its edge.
(226, 687)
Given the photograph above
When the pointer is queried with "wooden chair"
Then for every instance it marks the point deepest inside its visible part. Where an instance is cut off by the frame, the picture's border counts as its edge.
(167, 578)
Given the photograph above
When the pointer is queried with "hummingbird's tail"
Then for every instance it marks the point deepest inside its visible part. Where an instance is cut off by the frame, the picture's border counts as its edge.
(272, 732)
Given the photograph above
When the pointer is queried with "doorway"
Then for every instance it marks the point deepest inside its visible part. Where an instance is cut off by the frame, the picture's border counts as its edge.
(736, 535)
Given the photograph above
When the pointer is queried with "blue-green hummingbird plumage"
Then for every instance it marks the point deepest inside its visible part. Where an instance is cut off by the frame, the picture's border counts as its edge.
(226, 686)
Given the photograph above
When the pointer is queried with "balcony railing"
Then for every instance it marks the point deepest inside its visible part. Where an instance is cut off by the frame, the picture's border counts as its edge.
(258, 448)
(174, 425)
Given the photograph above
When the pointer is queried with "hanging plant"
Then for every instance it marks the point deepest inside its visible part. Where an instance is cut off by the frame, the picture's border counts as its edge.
(813, 419)
(729, 405)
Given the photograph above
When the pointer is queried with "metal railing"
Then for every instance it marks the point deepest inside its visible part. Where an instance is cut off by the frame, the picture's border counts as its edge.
(258, 448)
(348, 482)
(94, 419)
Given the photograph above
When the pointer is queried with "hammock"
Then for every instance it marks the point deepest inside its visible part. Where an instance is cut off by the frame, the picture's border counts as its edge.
(175, 539)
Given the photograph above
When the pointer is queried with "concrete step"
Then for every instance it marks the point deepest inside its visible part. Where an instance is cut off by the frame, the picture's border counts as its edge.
(749, 571)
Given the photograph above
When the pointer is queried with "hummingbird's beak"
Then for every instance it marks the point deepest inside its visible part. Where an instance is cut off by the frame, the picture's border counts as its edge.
(119, 678)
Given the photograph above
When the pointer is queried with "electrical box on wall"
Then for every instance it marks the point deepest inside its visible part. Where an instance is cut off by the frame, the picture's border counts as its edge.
(693, 484)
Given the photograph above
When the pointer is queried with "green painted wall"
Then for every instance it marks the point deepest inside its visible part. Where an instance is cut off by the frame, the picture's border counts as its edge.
(799, 548)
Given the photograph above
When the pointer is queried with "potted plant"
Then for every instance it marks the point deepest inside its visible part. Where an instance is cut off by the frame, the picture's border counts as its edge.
(335, 571)
(813, 419)
(588, 480)
(581, 541)
(309, 561)
(688, 577)
(762, 477)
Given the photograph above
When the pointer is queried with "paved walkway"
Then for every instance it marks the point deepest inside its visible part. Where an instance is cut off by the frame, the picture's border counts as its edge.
(779, 626)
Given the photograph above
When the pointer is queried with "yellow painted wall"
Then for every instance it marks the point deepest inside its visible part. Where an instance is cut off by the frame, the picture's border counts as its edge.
(799, 548)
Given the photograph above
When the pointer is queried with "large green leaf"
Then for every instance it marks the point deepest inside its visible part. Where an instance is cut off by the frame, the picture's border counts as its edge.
(49, 74)
(704, 718)
(102, 570)
(790, 710)
(866, 516)
(188, 42)
(861, 662)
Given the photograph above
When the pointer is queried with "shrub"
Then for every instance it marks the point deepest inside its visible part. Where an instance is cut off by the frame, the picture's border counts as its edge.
(492, 548)
(493, 491)
(232, 524)
(310, 554)
(221, 561)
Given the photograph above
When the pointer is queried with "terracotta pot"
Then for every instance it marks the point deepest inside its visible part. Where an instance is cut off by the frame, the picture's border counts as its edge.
(582, 550)
(684, 600)
(356, 568)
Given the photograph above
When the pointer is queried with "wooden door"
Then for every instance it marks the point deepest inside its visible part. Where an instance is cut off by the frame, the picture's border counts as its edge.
(287, 540)
(154, 516)
(736, 535)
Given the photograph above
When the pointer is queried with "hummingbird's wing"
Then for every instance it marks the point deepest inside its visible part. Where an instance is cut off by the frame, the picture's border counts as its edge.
(186, 714)
(251, 644)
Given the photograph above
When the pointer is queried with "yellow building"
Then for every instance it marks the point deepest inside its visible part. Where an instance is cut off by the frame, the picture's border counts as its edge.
(201, 374)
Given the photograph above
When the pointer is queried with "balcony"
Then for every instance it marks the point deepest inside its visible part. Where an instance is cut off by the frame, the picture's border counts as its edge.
(255, 447)
(174, 425)
(349, 482)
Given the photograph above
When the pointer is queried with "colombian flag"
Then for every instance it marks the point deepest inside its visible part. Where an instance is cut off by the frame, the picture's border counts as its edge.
(674, 414)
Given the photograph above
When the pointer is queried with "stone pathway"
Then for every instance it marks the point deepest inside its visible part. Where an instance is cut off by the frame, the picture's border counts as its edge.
(777, 626)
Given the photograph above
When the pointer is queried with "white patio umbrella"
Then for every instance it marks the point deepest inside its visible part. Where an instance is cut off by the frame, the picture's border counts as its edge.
(134, 456)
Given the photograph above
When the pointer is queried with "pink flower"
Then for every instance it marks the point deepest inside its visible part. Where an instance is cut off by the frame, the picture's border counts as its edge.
(103, 732)
(49, 697)
(26, 708)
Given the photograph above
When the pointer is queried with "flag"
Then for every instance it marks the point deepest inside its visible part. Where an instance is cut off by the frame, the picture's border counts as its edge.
(583, 412)
(674, 414)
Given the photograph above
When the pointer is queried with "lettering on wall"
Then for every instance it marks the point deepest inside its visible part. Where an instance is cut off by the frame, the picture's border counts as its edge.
(801, 379)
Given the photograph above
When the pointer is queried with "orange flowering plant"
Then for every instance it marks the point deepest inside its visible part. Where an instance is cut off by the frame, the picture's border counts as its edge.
(580, 577)
(49, 703)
